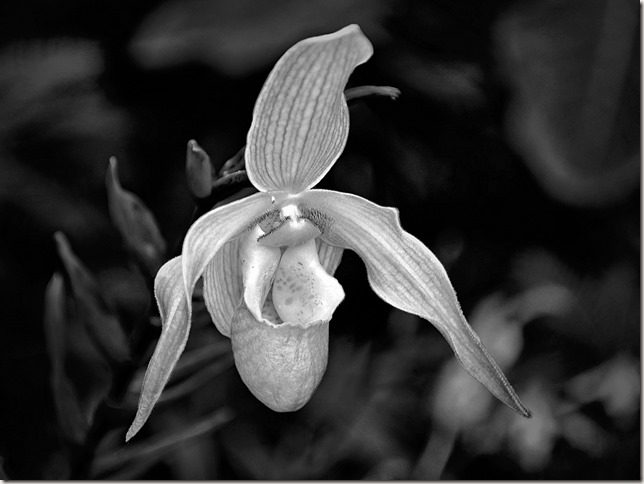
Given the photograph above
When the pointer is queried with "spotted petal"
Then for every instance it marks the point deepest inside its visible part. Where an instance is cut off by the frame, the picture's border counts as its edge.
(301, 120)
(222, 280)
(173, 306)
(407, 275)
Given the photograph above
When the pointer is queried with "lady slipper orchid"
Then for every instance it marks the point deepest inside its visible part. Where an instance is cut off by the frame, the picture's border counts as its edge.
(268, 260)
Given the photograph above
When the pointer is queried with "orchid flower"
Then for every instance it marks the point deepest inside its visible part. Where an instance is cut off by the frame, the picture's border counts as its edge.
(268, 260)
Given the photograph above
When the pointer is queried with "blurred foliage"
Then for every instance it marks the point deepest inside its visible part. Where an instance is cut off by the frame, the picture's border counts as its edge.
(512, 152)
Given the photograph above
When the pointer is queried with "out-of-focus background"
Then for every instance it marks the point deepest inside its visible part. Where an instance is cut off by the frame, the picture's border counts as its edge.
(513, 153)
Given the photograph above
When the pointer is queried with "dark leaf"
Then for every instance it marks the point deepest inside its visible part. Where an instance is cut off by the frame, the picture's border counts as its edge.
(158, 446)
(197, 358)
(68, 410)
(51, 102)
(96, 315)
(242, 36)
(135, 223)
(197, 380)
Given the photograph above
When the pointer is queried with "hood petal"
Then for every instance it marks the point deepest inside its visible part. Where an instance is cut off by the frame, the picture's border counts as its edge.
(281, 364)
(301, 120)
(407, 275)
(222, 288)
(173, 306)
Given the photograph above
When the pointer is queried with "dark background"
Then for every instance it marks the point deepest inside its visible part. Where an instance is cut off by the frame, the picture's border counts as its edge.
(513, 153)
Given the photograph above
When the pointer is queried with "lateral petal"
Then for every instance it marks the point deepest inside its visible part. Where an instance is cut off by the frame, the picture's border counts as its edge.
(214, 229)
(175, 318)
(301, 120)
(330, 256)
(407, 275)
(222, 289)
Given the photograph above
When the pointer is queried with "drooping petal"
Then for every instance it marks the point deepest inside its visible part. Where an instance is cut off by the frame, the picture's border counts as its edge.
(330, 256)
(214, 229)
(281, 364)
(222, 289)
(407, 275)
(173, 306)
(303, 292)
(258, 263)
(301, 120)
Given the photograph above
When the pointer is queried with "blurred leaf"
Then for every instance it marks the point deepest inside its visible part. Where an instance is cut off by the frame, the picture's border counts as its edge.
(126, 289)
(197, 380)
(54, 119)
(197, 459)
(616, 383)
(343, 389)
(196, 358)
(574, 73)
(391, 469)
(238, 37)
(53, 82)
(601, 311)
(432, 461)
(101, 324)
(583, 433)
(68, 411)
(135, 223)
(49, 204)
(457, 84)
(188, 366)
(150, 451)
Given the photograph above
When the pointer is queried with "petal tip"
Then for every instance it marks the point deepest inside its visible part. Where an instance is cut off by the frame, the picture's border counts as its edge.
(137, 424)
(350, 30)
(130, 433)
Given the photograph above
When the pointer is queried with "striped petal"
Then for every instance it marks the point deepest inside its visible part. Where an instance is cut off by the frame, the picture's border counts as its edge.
(301, 120)
(222, 278)
(222, 287)
(174, 309)
(407, 275)
(330, 256)
(213, 230)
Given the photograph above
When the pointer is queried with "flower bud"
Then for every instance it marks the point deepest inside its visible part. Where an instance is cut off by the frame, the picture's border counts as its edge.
(198, 170)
